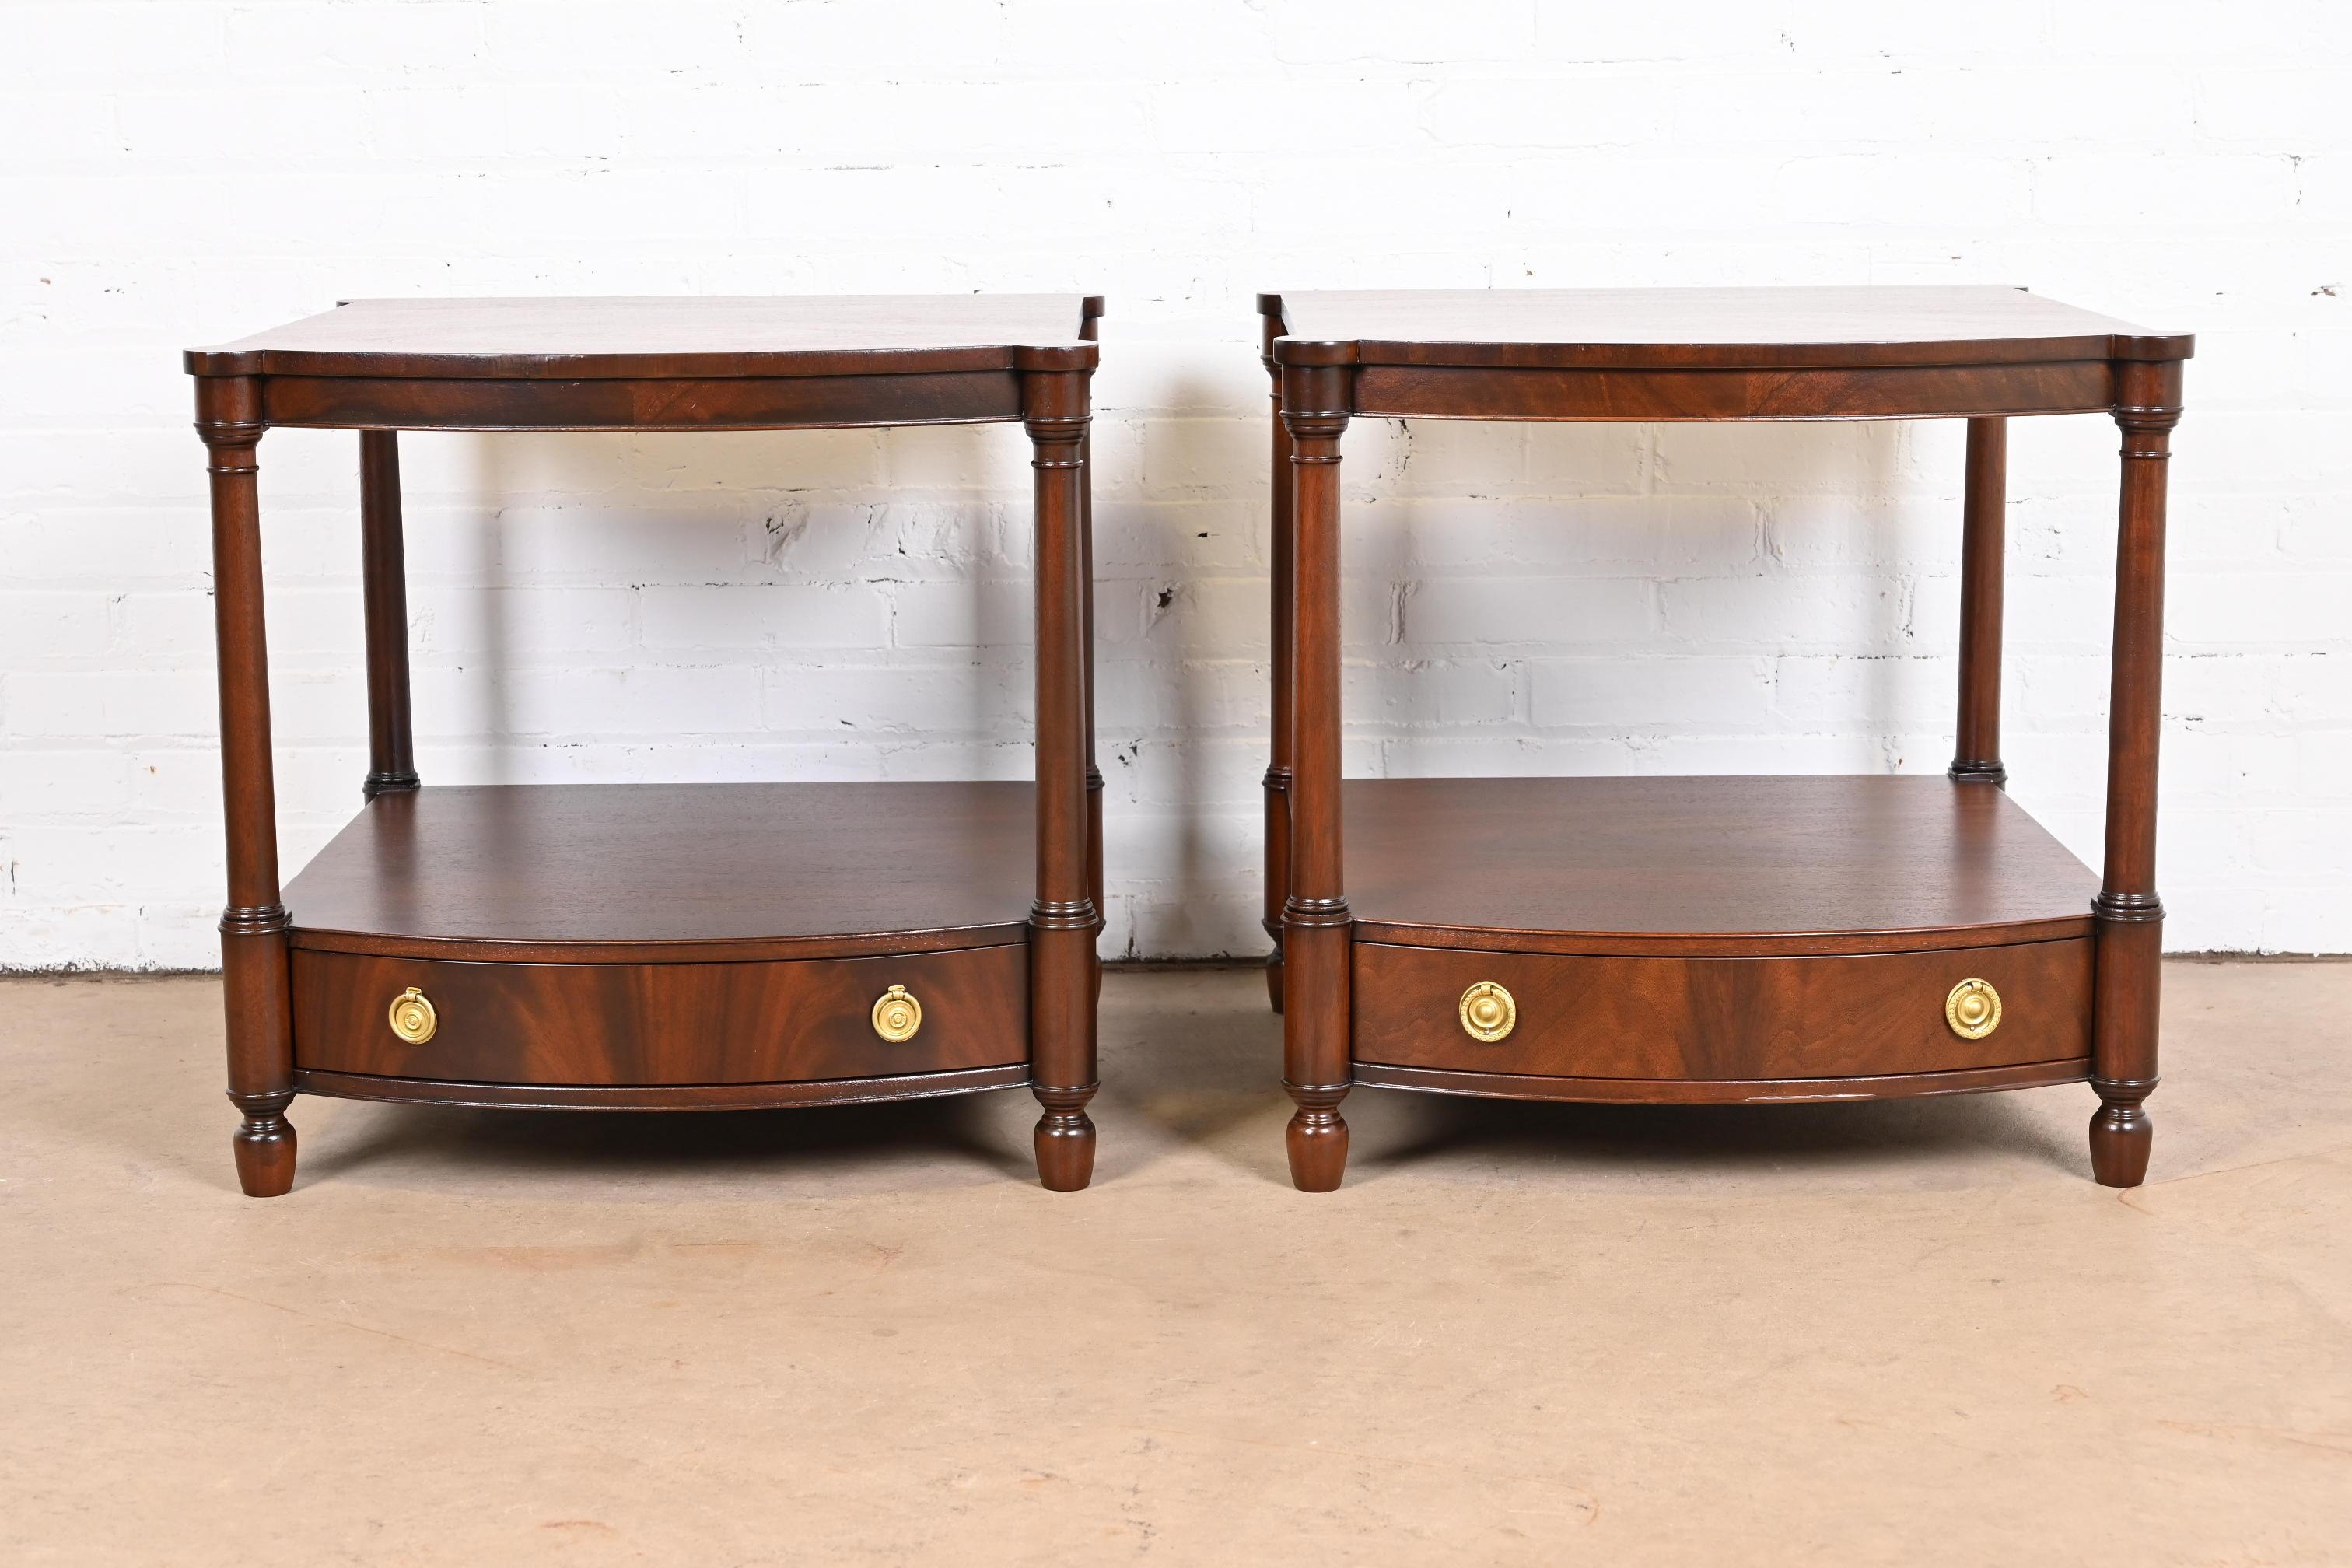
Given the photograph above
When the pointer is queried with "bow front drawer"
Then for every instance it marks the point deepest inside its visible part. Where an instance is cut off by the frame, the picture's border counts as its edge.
(638, 1024)
(1871, 1015)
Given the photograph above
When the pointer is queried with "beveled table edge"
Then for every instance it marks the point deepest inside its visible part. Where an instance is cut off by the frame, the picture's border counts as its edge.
(1283, 348)
(1079, 352)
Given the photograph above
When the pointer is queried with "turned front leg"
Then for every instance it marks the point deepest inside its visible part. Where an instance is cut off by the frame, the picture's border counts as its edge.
(257, 998)
(1316, 922)
(1062, 977)
(2130, 915)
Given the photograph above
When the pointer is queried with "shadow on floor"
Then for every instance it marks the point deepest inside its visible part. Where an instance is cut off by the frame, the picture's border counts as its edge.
(960, 1133)
(1725, 1139)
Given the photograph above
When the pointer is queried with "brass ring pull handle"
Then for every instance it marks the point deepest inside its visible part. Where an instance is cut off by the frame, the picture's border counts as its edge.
(897, 1015)
(1973, 1009)
(412, 1017)
(1487, 1012)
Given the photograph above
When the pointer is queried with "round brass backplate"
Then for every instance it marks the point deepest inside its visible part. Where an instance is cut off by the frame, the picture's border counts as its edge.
(897, 1015)
(1973, 1009)
(1487, 1012)
(412, 1017)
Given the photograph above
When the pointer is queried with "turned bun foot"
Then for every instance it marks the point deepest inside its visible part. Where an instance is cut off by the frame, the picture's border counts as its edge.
(1317, 1139)
(1065, 1150)
(2121, 1136)
(264, 1147)
(1274, 981)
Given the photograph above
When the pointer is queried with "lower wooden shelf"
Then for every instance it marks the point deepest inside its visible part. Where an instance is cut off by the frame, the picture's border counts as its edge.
(668, 946)
(1712, 939)
(673, 873)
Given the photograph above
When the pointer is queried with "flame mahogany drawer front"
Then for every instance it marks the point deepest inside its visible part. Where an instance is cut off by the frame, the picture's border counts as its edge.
(639, 1023)
(1720, 1019)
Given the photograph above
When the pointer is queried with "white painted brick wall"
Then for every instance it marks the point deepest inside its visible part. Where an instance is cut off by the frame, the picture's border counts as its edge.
(854, 604)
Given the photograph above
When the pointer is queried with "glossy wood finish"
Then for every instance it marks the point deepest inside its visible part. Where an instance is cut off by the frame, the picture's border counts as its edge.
(674, 873)
(1086, 645)
(1723, 866)
(1314, 912)
(1721, 1091)
(628, 1025)
(632, 942)
(1757, 900)
(1836, 328)
(775, 1096)
(685, 337)
(1064, 974)
(1277, 771)
(2131, 915)
(1734, 1019)
(1975, 751)
(1443, 392)
(391, 747)
(254, 925)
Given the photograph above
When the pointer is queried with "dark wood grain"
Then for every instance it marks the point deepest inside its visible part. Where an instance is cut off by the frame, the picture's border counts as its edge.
(1722, 1091)
(1277, 771)
(616, 1025)
(1315, 910)
(2131, 915)
(1063, 967)
(1729, 1018)
(1824, 863)
(1650, 396)
(383, 557)
(764, 403)
(700, 337)
(1762, 328)
(661, 1096)
(565, 907)
(253, 926)
(612, 873)
(1778, 882)
(1976, 746)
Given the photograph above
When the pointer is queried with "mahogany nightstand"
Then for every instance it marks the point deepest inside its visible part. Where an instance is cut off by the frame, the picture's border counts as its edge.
(1712, 939)
(642, 946)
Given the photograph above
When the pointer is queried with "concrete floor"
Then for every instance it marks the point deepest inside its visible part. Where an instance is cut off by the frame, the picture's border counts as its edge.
(1910, 1331)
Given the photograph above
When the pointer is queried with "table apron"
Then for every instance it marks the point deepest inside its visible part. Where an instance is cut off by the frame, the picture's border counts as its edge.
(732, 402)
(1887, 392)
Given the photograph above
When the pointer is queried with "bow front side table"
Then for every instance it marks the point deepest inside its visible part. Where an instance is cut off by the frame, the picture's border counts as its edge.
(643, 946)
(1694, 939)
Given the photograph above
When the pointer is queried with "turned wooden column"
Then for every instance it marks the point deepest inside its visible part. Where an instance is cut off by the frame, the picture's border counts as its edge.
(1090, 330)
(1277, 772)
(1976, 750)
(255, 986)
(1316, 401)
(1062, 922)
(392, 748)
(2130, 915)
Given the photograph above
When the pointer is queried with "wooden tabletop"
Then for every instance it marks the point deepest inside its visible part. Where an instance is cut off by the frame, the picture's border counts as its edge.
(683, 336)
(1702, 328)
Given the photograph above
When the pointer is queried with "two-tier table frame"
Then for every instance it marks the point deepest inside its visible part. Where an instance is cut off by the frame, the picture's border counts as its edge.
(1712, 940)
(640, 946)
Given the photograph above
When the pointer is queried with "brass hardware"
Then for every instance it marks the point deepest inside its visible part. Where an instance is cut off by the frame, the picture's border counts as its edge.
(412, 1017)
(897, 1016)
(1487, 1012)
(1973, 1009)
